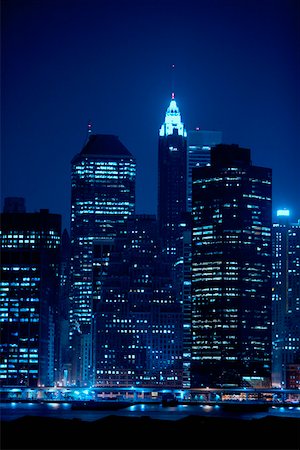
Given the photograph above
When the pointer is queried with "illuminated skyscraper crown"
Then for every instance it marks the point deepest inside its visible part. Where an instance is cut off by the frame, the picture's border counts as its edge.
(172, 120)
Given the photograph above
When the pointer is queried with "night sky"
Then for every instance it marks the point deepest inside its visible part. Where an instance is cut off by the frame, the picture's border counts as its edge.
(68, 62)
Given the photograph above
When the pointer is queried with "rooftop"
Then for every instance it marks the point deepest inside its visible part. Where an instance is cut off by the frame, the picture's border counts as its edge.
(104, 144)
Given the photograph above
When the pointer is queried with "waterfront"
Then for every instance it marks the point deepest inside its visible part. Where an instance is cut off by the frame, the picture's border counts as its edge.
(146, 426)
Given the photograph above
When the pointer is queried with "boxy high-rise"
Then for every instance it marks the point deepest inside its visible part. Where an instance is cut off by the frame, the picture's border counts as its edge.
(30, 250)
(231, 271)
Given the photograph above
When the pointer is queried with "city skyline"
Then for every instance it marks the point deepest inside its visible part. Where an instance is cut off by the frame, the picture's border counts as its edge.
(66, 64)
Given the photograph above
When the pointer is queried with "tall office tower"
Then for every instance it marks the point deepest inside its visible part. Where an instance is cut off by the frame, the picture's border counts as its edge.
(172, 163)
(138, 324)
(30, 245)
(103, 197)
(199, 144)
(231, 270)
(286, 302)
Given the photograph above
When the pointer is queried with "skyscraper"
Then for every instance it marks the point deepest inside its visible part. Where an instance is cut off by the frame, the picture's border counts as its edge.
(286, 301)
(231, 270)
(30, 249)
(103, 197)
(199, 144)
(172, 164)
(138, 320)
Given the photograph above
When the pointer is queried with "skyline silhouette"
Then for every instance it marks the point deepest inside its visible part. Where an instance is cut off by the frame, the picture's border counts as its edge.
(66, 64)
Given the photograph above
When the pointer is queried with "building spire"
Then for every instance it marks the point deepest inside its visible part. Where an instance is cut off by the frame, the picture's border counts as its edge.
(172, 81)
(173, 117)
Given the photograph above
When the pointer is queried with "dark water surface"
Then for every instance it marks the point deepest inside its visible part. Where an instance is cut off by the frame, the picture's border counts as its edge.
(11, 411)
(31, 426)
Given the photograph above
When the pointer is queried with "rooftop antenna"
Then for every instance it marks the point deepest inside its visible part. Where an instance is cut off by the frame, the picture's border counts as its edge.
(172, 81)
(89, 130)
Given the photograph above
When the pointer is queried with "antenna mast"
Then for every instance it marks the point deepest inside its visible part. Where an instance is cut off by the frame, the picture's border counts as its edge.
(89, 132)
(172, 81)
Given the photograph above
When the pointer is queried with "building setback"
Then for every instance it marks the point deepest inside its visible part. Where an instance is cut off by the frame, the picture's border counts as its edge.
(103, 197)
(30, 246)
(231, 271)
(138, 322)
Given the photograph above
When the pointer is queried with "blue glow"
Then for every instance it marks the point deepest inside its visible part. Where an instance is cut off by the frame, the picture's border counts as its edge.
(172, 121)
(133, 408)
(283, 212)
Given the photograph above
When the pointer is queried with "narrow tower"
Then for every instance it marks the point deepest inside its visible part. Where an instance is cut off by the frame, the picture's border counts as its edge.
(286, 302)
(172, 164)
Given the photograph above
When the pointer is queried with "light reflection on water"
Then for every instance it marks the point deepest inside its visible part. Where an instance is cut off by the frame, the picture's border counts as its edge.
(54, 405)
(14, 410)
(208, 407)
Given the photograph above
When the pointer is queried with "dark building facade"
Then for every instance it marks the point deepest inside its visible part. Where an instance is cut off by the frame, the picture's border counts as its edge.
(138, 323)
(64, 359)
(103, 197)
(199, 144)
(172, 176)
(30, 250)
(286, 301)
(187, 300)
(231, 271)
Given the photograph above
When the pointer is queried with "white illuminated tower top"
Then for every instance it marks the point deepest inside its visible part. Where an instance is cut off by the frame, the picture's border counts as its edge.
(172, 120)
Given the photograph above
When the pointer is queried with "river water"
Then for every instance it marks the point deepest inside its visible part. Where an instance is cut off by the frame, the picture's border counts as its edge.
(11, 411)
